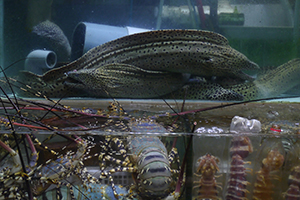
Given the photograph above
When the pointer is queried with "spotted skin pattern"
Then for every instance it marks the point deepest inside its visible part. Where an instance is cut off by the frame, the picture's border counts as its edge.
(270, 84)
(205, 91)
(147, 158)
(123, 80)
(180, 51)
(273, 83)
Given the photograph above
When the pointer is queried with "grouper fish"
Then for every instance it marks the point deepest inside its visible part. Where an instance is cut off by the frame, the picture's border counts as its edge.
(273, 83)
(122, 81)
(195, 52)
(270, 84)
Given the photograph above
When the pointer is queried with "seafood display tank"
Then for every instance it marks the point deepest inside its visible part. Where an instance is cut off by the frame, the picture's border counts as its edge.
(123, 99)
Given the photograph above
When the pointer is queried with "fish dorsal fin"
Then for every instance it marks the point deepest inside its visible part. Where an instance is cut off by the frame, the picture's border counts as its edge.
(157, 36)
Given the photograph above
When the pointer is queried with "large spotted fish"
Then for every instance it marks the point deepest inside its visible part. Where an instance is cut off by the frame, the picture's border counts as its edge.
(124, 81)
(195, 52)
(273, 83)
(270, 84)
(113, 80)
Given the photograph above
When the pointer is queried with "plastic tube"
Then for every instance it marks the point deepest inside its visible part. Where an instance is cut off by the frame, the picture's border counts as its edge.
(88, 35)
(39, 61)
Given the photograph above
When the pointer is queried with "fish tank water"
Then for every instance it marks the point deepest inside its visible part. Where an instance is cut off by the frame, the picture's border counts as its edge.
(194, 99)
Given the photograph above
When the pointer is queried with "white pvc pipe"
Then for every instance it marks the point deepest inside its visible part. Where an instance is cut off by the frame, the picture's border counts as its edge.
(88, 35)
(40, 61)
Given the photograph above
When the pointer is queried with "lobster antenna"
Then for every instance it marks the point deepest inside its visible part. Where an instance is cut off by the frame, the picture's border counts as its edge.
(53, 106)
(18, 147)
(231, 104)
(47, 98)
(38, 104)
(115, 101)
(69, 182)
(14, 105)
(17, 107)
(43, 106)
(160, 96)
(180, 177)
(36, 92)
(167, 102)
(13, 64)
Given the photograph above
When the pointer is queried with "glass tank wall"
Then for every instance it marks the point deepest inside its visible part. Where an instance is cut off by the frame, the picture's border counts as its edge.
(160, 99)
(266, 32)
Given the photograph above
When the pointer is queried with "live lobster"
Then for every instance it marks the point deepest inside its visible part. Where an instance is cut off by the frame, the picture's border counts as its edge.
(147, 158)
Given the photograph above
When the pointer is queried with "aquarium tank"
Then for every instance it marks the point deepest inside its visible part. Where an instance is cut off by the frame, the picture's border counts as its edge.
(160, 99)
